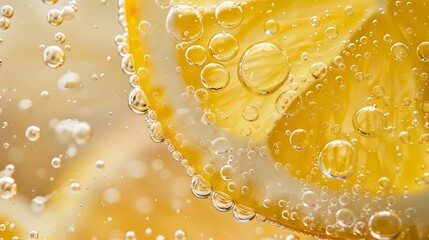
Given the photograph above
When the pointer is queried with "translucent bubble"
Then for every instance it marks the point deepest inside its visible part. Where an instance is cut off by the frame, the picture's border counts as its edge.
(32, 133)
(99, 164)
(385, 225)
(243, 213)
(34, 235)
(68, 12)
(69, 80)
(349, 10)
(196, 55)
(127, 64)
(138, 101)
(314, 21)
(288, 104)
(223, 46)
(49, 2)
(227, 172)
(383, 183)
(222, 201)
(144, 27)
(55, 17)
(318, 69)
(184, 24)
(4, 23)
(130, 235)
(331, 32)
(75, 186)
(400, 51)
(7, 188)
(337, 159)
(208, 118)
(221, 145)
(81, 132)
(423, 51)
(309, 198)
(199, 187)
(164, 3)
(263, 68)
(53, 57)
(201, 95)
(214, 76)
(56, 162)
(271, 27)
(7, 11)
(299, 139)
(250, 113)
(60, 37)
(345, 218)
(156, 133)
(369, 121)
(229, 14)
(179, 235)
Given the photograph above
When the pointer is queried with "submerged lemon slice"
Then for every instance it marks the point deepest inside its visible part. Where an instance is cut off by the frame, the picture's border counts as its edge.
(309, 114)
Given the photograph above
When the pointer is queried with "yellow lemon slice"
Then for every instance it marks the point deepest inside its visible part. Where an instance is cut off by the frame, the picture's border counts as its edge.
(309, 114)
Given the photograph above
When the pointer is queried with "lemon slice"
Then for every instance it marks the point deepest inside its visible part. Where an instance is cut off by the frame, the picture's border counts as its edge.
(309, 114)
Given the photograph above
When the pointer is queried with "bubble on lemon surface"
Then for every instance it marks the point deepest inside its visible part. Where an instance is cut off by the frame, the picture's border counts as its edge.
(53, 57)
(32, 133)
(385, 225)
(299, 139)
(423, 51)
(315, 21)
(196, 55)
(60, 37)
(223, 46)
(221, 145)
(318, 69)
(7, 187)
(369, 121)
(55, 17)
(250, 113)
(4, 23)
(288, 104)
(138, 101)
(222, 201)
(199, 187)
(271, 26)
(345, 218)
(184, 24)
(7, 11)
(263, 68)
(127, 64)
(243, 213)
(229, 14)
(331, 32)
(215, 76)
(56, 162)
(69, 80)
(400, 51)
(337, 159)
(227, 172)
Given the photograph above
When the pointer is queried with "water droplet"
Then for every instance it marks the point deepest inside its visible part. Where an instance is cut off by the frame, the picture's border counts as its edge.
(196, 55)
(250, 113)
(222, 201)
(385, 225)
(337, 159)
(138, 101)
(184, 24)
(288, 104)
(223, 46)
(199, 187)
(55, 17)
(331, 32)
(400, 51)
(221, 145)
(345, 218)
(229, 14)
(7, 188)
(299, 139)
(263, 68)
(32, 133)
(271, 27)
(423, 51)
(243, 213)
(53, 57)
(315, 21)
(214, 76)
(369, 121)
(318, 70)
(56, 162)
(7, 11)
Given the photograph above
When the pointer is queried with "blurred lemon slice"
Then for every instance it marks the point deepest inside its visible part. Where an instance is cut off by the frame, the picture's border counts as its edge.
(311, 114)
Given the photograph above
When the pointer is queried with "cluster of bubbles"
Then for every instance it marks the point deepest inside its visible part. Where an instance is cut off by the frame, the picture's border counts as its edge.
(7, 182)
(6, 12)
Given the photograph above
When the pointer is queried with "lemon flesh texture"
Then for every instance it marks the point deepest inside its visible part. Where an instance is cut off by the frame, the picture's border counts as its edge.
(274, 182)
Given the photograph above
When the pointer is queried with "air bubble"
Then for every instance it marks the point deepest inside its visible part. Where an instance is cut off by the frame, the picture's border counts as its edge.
(32, 133)
(144, 27)
(423, 51)
(184, 24)
(400, 51)
(385, 225)
(214, 76)
(7, 11)
(227, 172)
(299, 139)
(250, 113)
(337, 159)
(196, 55)
(369, 121)
(55, 17)
(243, 213)
(7, 188)
(271, 27)
(349, 10)
(4, 23)
(345, 218)
(223, 46)
(138, 101)
(331, 32)
(53, 57)
(318, 70)
(33, 235)
(221, 145)
(229, 14)
(60, 37)
(315, 21)
(81, 133)
(56, 162)
(199, 187)
(263, 68)
(288, 104)
(222, 201)
(309, 198)
(49, 2)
